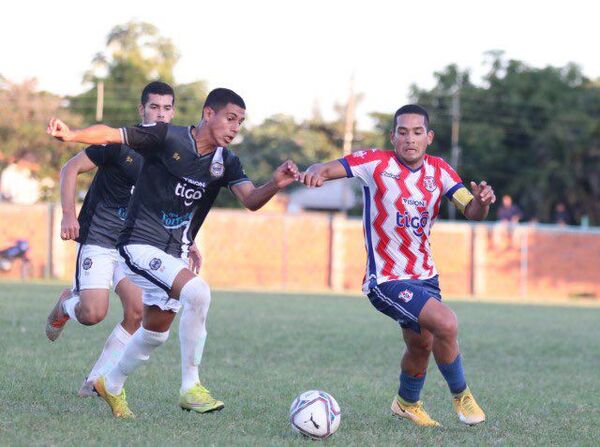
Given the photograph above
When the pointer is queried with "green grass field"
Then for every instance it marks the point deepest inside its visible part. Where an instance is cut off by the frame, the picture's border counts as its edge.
(534, 369)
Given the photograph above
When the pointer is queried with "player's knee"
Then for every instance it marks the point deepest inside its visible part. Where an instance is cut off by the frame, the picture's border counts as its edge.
(448, 327)
(132, 313)
(422, 348)
(196, 295)
(90, 316)
(153, 338)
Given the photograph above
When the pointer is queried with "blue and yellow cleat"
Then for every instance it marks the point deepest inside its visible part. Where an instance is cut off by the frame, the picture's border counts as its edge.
(413, 412)
(198, 399)
(467, 409)
(117, 403)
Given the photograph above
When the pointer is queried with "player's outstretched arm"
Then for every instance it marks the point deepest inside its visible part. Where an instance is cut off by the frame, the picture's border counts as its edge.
(319, 173)
(69, 225)
(483, 197)
(254, 198)
(96, 134)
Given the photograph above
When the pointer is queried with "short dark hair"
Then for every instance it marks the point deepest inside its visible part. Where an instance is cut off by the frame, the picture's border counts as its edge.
(411, 108)
(156, 88)
(220, 97)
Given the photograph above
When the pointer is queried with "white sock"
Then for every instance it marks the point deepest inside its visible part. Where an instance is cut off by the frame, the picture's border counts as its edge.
(195, 299)
(69, 307)
(113, 349)
(137, 351)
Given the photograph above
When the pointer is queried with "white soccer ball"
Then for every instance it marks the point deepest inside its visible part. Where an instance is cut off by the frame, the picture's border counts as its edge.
(315, 414)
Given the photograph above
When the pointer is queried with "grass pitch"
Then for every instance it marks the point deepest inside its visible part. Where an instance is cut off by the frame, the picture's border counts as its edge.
(534, 369)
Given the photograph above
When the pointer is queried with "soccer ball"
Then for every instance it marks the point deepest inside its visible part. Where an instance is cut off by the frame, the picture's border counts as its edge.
(315, 414)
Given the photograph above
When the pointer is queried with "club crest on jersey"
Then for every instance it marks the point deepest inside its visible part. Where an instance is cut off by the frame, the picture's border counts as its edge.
(129, 159)
(87, 263)
(217, 169)
(416, 223)
(429, 183)
(155, 263)
(406, 295)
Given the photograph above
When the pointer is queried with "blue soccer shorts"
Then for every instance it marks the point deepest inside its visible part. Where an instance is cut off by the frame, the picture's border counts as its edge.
(403, 300)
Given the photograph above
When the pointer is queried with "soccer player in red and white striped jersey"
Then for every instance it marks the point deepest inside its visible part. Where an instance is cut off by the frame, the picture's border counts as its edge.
(402, 192)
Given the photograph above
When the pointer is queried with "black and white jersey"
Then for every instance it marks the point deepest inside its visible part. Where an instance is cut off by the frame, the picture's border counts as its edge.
(105, 205)
(176, 187)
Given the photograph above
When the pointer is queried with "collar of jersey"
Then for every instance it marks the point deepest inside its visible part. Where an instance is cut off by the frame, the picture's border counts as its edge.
(196, 146)
(399, 160)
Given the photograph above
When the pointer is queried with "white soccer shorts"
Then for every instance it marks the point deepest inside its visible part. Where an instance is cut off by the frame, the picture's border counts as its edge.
(97, 268)
(154, 271)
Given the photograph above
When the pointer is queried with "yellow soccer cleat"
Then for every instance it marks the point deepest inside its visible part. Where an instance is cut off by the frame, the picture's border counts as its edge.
(467, 409)
(198, 399)
(57, 318)
(413, 412)
(117, 403)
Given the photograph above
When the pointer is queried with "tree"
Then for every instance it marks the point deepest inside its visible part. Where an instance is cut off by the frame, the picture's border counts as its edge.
(24, 115)
(532, 133)
(137, 54)
(189, 99)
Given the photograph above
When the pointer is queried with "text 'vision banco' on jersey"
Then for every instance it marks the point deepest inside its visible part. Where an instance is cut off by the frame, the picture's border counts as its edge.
(105, 205)
(176, 187)
(400, 206)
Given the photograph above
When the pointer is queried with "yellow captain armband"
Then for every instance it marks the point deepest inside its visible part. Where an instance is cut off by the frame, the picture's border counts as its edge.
(461, 198)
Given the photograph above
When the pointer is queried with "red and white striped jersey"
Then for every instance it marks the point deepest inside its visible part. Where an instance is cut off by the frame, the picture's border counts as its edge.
(400, 206)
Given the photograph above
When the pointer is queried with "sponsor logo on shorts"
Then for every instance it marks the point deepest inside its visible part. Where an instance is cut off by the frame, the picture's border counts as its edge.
(155, 263)
(406, 295)
(87, 263)
(429, 183)
(217, 169)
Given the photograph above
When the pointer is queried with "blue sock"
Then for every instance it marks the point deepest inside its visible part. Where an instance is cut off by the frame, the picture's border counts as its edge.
(410, 387)
(454, 375)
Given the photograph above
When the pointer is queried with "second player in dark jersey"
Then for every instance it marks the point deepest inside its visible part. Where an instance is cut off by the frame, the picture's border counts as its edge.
(104, 208)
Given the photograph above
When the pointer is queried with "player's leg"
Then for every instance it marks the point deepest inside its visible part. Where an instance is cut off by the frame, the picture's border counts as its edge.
(401, 301)
(414, 363)
(89, 307)
(413, 372)
(443, 324)
(194, 294)
(131, 298)
(154, 272)
(88, 302)
(110, 386)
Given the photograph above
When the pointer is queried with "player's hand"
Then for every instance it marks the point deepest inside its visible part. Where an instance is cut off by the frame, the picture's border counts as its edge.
(69, 228)
(312, 178)
(195, 259)
(286, 174)
(58, 129)
(483, 193)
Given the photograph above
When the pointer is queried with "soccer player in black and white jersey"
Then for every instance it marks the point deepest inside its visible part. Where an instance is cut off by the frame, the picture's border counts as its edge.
(184, 169)
(96, 229)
